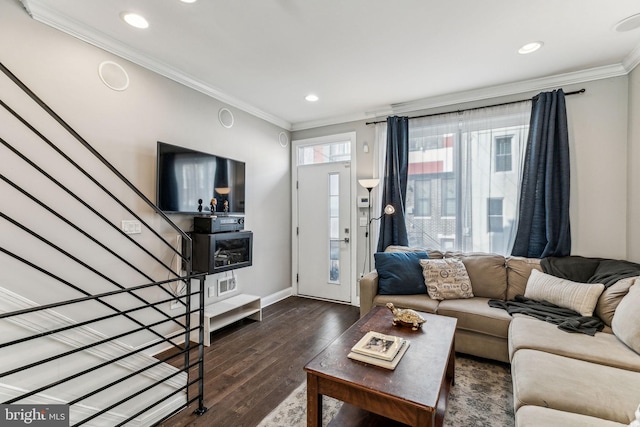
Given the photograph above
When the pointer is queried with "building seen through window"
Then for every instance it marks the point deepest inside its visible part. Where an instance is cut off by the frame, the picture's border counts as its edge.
(463, 181)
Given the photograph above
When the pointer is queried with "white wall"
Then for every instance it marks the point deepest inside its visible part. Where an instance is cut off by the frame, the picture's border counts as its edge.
(598, 149)
(124, 127)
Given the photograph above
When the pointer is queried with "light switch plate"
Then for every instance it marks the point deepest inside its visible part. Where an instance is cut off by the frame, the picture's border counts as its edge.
(131, 226)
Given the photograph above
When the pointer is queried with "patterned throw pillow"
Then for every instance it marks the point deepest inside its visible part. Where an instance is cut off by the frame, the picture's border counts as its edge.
(446, 279)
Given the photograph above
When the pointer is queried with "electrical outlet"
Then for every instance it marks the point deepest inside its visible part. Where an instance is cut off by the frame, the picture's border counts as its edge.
(226, 285)
(211, 291)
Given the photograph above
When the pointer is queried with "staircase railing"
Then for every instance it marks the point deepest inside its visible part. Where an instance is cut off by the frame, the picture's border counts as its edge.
(89, 303)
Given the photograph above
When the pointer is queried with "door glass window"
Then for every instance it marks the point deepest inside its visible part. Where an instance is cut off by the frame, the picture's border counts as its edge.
(334, 228)
(324, 153)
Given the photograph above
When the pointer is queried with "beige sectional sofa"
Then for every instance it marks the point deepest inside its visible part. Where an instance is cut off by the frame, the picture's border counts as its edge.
(559, 378)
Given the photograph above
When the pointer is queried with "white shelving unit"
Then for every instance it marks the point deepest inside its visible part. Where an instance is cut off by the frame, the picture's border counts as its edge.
(225, 312)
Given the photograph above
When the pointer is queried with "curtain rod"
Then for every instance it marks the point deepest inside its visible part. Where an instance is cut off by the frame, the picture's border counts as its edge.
(575, 92)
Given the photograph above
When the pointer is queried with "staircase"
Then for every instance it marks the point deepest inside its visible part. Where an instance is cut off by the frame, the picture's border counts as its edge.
(84, 306)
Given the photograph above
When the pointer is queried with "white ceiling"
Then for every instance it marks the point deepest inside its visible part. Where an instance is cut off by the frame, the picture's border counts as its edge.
(363, 58)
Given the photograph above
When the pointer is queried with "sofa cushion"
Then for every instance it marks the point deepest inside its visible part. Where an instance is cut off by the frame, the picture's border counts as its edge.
(580, 297)
(611, 297)
(518, 272)
(446, 279)
(433, 253)
(537, 416)
(566, 384)
(482, 345)
(605, 349)
(487, 273)
(420, 302)
(625, 322)
(475, 315)
(400, 273)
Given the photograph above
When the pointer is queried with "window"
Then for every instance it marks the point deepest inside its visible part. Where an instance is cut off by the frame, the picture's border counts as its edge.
(429, 142)
(503, 153)
(324, 153)
(494, 215)
(448, 196)
(455, 198)
(422, 191)
(447, 244)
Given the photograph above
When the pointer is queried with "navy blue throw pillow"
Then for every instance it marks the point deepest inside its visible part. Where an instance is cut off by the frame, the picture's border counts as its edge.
(400, 273)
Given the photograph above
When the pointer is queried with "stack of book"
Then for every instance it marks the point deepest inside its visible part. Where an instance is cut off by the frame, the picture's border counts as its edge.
(379, 349)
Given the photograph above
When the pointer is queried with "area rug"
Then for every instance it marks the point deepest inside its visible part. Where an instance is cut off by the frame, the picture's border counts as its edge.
(481, 396)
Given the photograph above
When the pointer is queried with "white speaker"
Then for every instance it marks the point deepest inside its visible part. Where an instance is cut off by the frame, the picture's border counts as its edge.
(283, 139)
(113, 75)
(226, 117)
(630, 23)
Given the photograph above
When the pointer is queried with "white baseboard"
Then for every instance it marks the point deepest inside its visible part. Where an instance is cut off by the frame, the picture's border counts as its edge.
(278, 296)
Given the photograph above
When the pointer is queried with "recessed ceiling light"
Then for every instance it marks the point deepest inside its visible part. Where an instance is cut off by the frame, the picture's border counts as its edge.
(628, 24)
(311, 97)
(134, 20)
(530, 47)
(188, 1)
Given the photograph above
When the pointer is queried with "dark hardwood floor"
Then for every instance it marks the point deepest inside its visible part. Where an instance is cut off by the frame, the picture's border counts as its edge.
(251, 367)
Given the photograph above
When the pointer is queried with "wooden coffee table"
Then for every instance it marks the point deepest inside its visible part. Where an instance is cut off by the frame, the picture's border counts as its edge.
(415, 393)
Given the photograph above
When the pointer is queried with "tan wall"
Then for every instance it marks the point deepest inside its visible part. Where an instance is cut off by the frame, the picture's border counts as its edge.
(598, 138)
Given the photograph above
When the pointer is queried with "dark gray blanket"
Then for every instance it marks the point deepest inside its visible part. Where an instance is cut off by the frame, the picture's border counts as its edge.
(567, 320)
(590, 270)
(577, 269)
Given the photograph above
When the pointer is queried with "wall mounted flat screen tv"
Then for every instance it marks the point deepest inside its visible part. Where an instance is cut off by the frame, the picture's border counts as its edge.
(185, 177)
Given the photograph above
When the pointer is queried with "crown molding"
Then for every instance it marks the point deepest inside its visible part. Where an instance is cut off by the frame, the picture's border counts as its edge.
(544, 83)
(59, 21)
(482, 94)
(632, 60)
(311, 124)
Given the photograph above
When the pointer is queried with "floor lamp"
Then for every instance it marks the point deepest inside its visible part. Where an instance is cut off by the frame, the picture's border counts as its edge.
(369, 184)
(388, 210)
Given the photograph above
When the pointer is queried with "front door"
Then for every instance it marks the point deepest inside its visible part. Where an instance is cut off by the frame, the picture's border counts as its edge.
(324, 235)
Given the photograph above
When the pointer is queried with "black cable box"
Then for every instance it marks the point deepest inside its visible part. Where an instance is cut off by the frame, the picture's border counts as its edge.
(217, 224)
